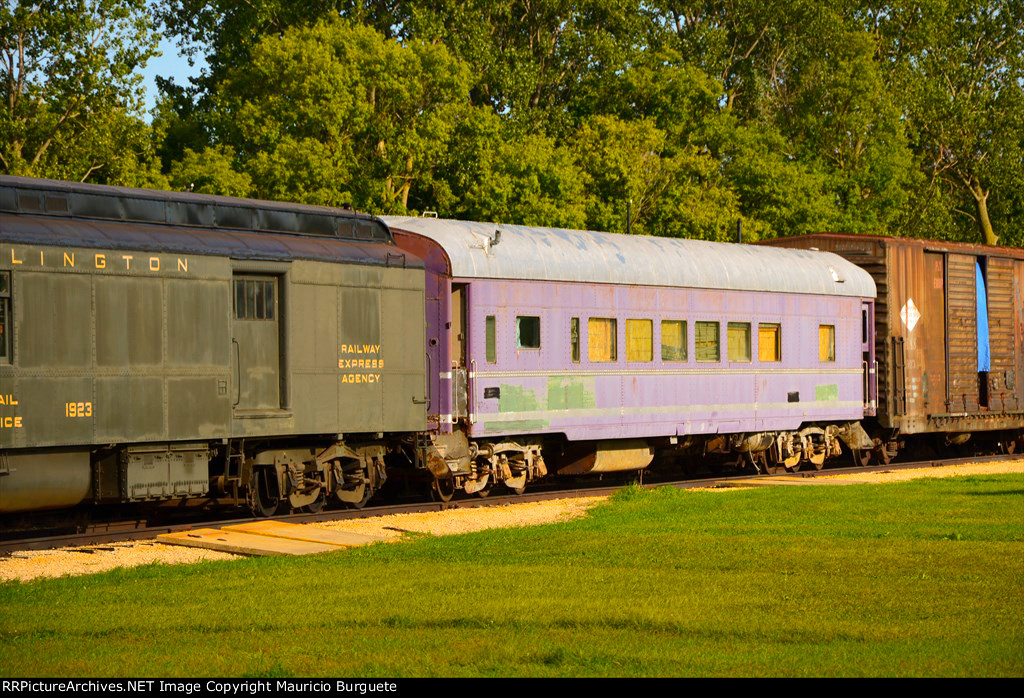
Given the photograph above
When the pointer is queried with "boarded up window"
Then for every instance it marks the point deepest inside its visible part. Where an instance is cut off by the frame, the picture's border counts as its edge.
(601, 339)
(673, 340)
(706, 341)
(769, 342)
(826, 342)
(640, 340)
(490, 339)
(528, 332)
(574, 339)
(739, 341)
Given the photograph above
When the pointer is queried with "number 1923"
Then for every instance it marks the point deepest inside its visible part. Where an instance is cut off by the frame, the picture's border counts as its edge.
(77, 409)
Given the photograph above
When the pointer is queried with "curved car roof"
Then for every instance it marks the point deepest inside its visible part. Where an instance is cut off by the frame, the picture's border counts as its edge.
(554, 254)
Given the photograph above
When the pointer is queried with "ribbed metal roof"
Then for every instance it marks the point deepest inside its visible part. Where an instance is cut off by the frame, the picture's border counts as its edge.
(552, 254)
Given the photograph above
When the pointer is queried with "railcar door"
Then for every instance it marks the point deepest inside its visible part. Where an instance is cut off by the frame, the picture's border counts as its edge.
(256, 342)
(458, 342)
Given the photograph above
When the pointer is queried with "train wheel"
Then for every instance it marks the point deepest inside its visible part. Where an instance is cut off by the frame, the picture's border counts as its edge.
(485, 491)
(317, 505)
(516, 485)
(442, 489)
(772, 468)
(860, 457)
(264, 500)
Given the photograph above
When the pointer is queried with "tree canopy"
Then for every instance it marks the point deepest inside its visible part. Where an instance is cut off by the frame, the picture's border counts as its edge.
(895, 118)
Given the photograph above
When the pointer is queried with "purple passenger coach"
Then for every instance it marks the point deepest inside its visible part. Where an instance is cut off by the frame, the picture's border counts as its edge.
(585, 352)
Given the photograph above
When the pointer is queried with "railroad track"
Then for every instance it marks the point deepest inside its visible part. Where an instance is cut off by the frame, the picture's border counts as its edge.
(111, 532)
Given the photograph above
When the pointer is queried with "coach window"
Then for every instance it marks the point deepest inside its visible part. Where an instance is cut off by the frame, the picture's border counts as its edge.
(601, 339)
(827, 342)
(527, 332)
(5, 316)
(706, 341)
(769, 342)
(673, 340)
(739, 341)
(640, 340)
(490, 340)
(574, 339)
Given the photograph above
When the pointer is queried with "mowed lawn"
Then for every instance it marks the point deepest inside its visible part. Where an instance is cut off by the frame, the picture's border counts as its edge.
(922, 578)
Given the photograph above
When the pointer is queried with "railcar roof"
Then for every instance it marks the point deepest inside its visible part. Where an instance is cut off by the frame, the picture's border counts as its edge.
(552, 254)
(73, 200)
(237, 244)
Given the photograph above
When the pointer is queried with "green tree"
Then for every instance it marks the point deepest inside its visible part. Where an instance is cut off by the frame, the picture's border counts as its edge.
(959, 68)
(70, 90)
(352, 117)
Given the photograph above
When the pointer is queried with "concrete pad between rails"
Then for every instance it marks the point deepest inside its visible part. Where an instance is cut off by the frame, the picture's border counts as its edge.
(267, 538)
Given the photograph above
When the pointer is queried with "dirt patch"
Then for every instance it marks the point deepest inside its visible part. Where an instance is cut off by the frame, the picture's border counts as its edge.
(100, 558)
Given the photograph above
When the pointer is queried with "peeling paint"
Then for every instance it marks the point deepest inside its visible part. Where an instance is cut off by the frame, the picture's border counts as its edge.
(571, 393)
(516, 398)
(828, 392)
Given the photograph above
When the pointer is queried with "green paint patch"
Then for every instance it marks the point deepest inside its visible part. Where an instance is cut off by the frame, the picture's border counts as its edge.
(569, 393)
(516, 398)
(828, 392)
(518, 425)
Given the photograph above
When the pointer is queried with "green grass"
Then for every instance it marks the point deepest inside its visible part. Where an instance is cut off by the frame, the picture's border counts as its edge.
(922, 578)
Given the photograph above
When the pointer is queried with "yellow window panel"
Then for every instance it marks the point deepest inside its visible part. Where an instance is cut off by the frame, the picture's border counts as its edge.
(601, 339)
(640, 340)
(769, 344)
(827, 342)
(673, 340)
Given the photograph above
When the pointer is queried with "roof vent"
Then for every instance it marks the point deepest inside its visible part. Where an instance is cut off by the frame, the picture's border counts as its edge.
(835, 275)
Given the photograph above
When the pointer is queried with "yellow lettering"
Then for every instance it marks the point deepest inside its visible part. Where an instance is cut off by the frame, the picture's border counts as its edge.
(15, 260)
(154, 264)
(127, 261)
(341, 363)
(380, 364)
(2, 401)
(8, 422)
(17, 422)
(183, 264)
(41, 262)
(101, 261)
(69, 261)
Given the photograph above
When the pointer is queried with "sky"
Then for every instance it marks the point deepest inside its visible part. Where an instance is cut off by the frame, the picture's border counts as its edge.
(170, 64)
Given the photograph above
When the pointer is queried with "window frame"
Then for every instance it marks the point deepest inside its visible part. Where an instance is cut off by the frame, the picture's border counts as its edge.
(614, 334)
(777, 326)
(718, 341)
(831, 358)
(519, 337)
(729, 327)
(634, 322)
(684, 334)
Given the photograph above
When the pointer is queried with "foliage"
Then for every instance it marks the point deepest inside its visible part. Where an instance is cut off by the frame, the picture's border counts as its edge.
(70, 91)
(902, 118)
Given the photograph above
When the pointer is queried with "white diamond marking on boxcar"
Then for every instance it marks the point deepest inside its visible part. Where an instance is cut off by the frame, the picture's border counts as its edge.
(909, 314)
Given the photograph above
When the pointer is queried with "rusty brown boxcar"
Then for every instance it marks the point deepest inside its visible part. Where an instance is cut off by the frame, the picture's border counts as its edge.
(949, 333)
